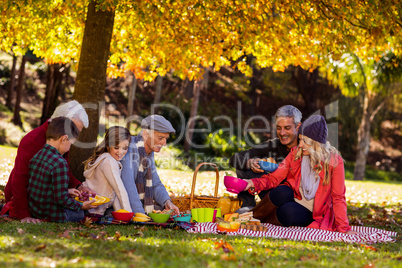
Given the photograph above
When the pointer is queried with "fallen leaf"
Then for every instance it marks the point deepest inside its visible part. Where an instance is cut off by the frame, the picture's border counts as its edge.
(226, 247)
(370, 265)
(88, 222)
(94, 236)
(369, 247)
(117, 236)
(65, 234)
(227, 257)
(76, 260)
(38, 248)
(139, 233)
(267, 250)
(309, 256)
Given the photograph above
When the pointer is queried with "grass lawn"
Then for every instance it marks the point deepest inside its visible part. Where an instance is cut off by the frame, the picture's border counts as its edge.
(370, 203)
(74, 245)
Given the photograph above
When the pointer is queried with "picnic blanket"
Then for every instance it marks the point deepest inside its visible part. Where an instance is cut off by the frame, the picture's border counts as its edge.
(369, 235)
(169, 224)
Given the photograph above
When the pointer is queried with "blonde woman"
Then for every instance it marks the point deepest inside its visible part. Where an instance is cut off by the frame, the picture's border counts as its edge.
(313, 194)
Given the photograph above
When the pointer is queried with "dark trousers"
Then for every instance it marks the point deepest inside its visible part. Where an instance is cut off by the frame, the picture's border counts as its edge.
(247, 198)
(289, 213)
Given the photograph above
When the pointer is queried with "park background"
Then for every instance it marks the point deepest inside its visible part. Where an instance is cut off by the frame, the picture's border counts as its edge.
(319, 56)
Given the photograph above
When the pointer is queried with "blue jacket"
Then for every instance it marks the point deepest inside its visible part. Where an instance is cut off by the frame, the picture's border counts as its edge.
(129, 172)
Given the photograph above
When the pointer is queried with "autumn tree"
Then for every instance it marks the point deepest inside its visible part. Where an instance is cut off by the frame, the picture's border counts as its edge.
(375, 83)
(153, 37)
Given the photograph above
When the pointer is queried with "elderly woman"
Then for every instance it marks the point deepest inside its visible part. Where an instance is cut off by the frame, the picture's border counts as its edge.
(314, 192)
(16, 189)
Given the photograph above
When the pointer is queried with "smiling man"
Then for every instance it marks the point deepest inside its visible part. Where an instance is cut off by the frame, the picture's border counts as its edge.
(288, 120)
(144, 187)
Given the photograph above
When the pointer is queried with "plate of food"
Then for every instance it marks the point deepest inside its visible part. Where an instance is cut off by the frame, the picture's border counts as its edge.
(99, 200)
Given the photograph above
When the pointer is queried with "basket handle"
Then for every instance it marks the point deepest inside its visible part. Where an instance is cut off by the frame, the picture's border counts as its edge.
(195, 178)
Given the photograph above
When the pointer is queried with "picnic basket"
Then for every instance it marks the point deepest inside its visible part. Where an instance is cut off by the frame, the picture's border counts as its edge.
(187, 203)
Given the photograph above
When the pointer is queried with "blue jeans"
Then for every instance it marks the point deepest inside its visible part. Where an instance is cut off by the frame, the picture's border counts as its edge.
(73, 215)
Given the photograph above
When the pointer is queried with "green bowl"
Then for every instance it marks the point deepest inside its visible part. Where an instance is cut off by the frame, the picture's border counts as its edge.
(159, 218)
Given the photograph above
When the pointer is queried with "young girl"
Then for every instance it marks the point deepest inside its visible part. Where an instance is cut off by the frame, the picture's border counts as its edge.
(103, 170)
(314, 192)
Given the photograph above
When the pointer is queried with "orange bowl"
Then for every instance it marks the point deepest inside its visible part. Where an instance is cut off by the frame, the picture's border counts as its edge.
(222, 229)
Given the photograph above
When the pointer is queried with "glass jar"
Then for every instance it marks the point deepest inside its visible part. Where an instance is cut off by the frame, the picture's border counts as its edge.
(235, 205)
(224, 204)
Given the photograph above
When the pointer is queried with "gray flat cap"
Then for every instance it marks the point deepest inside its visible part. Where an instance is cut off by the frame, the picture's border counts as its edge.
(157, 123)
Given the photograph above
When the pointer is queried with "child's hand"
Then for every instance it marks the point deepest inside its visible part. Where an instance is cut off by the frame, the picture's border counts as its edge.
(86, 189)
(73, 192)
(88, 205)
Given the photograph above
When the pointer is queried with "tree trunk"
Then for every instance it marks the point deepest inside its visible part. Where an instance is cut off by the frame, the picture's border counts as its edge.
(193, 114)
(10, 90)
(198, 85)
(188, 88)
(363, 141)
(306, 83)
(54, 86)
(91, 81)
(158, 92)
(256, 84)
(131, 97)
(21, 81)
(66, 77)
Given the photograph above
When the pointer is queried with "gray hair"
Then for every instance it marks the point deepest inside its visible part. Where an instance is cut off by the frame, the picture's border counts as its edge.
(72, 110)
(289, 111)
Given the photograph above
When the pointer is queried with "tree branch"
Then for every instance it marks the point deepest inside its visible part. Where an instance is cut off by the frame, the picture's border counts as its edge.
(376, 110)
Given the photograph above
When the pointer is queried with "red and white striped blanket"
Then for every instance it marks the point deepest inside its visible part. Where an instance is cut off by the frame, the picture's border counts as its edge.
(369, 235)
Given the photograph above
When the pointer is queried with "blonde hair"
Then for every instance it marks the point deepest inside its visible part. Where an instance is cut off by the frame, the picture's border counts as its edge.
(320, 152)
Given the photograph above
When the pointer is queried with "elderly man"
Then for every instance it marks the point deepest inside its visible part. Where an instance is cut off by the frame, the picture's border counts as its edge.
(288, 120)
(145, 189)
(17, 185)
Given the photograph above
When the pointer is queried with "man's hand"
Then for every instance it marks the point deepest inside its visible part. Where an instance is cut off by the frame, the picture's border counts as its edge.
(31, 220)
(88, 205)
(88, 190)
(169, 205)
(254, 166)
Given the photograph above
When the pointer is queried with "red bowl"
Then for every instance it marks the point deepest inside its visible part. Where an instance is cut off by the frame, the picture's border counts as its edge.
(122, 216)
(234, 185)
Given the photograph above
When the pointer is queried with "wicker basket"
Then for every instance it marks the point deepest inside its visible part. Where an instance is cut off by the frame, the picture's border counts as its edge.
(188, 203)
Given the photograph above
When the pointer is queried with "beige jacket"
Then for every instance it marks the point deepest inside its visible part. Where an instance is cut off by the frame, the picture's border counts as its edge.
(104, 177)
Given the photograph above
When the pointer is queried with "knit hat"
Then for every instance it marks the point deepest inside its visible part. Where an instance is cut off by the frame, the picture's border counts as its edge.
(315, 128)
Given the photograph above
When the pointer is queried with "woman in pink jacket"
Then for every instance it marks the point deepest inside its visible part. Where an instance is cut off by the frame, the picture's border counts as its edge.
(314, 192)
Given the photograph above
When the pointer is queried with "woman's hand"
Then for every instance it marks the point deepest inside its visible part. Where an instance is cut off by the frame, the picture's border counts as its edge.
(254, 166)
(169, 205)
(249, 184)
(73, 192)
